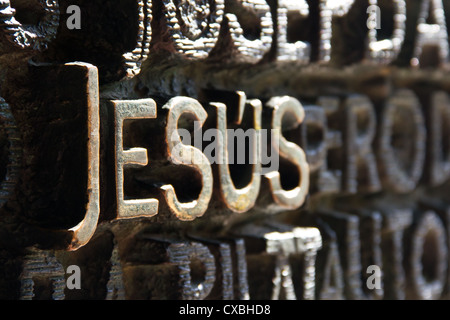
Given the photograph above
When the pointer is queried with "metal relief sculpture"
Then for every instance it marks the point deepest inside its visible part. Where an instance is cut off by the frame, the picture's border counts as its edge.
(402, 104)
(260, 11)
(86, 228)
(329, 10)
(190, 156)
(39, 269)
(394, 226)
(13, 150)
(115, 287)
(431, 35)
(437, 117)
(299, 50)
(361, 171)
(239, 199)
(181, 254)
(428, 281)
(387, 50)
(194, 25)
(295, 197)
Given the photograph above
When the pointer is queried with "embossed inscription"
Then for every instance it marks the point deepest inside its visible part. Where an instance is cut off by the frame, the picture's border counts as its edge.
(42, 273)
(135, 156)
(30, 36)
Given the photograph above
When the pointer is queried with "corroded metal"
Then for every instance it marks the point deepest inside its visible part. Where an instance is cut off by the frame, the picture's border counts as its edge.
(295, 197)
(329, 11)
(386, 50)
(360, 173)
(428, 270)
(287, 51)
(347, 235)
(393, 155)
(331, 285)
(41, 266)
(318, 147)
(256, 48)
(115, 287)
(231, 268)
(134, 58)
(272, 248)
(239, 199)
(240, 269)
(368, 144)
(434, 35)
(15, 155)
(371, 254)
(194, 25)
(438, 155)
(181, 255)
(393, 232)
(283, 245)
(307, 242)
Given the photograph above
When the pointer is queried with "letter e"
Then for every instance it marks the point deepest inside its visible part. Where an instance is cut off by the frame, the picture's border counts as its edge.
(74, 21)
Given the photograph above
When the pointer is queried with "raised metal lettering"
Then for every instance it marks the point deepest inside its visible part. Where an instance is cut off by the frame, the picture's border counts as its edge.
(401, 144)
(135, 57)
(36, 37)
(257, 14)
(194, 26)
(131, 109)
(242, 199)
(428, 258)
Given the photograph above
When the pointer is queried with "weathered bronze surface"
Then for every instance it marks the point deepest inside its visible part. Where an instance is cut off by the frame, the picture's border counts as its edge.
(124, 110)
(31, 36)
(118, 160)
